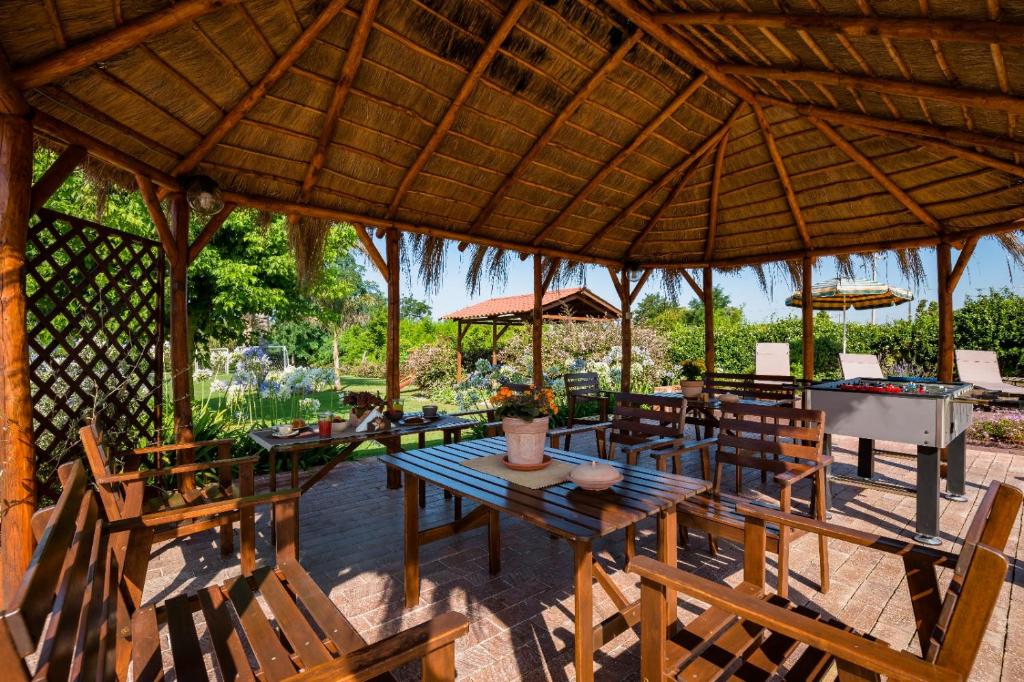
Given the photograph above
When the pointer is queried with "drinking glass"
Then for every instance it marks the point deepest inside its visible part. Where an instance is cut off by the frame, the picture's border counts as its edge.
(324, 423)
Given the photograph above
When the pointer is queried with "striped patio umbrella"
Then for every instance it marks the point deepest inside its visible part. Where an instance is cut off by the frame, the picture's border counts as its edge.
(859, 294)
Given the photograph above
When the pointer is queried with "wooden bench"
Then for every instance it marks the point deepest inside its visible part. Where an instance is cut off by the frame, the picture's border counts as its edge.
(123, 494)
(748, 434)
(748, 634)
(79, 606)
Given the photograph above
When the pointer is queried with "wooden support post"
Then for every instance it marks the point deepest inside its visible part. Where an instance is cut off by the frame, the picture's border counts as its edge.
(627, 332)
(537, 320)
(460, 334)
(945, 294)
(392, 240)
(494, 342)
(55, 175)
(17, 450)
(709, 321)
(807, 312)
(181, 365)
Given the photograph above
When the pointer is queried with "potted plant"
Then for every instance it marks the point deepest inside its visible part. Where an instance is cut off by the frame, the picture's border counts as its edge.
(524, 417)
(692, 382)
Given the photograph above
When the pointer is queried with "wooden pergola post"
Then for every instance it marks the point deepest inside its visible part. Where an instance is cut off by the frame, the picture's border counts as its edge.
(392, 240)
(807, 314)
(537, 320)
(709, 321)
(459, 335)
(181, 362)
(944, 264)
(494, 342)
(626, 381)
(17, 450)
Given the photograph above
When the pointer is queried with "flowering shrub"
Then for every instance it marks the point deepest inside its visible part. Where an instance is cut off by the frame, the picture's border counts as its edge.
(527, 405)
(998, 427)
(483, 382)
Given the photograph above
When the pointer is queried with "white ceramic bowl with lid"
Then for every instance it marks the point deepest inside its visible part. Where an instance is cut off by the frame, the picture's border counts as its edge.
(595, 475)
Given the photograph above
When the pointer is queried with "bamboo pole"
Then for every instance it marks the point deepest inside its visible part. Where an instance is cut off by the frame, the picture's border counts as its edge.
(98, 48)
(392, 246)
(17, 449)
(807, 316)
(945, 295)
(258, 91)
(468, 85)
(181, 364)
(956, 30)
(709, 319)
(537, 321)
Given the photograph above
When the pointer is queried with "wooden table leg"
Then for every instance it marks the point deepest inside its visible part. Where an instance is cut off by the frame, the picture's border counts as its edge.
(412, 541)
(583, 570)
(449, 435)
(392, 445)
(272, 482)
(493, 541)
(668, 554)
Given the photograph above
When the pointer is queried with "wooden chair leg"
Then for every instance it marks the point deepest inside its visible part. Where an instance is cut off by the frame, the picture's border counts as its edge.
(820, 513)
(684, 535)
(423, 494)
(439, 665)
(458, 507)
(784, 536)
(227, 538)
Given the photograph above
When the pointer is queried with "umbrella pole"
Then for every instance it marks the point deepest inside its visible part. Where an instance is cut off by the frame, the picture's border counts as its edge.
(844, 330)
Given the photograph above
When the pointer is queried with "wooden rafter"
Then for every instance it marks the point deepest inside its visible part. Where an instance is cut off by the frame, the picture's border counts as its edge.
(787, 184)
(956, 30)
(53, 17)
(55, 175)
(12, 101)
(371, 250)
(556, 124)
(638, 287)
(549, 277)
(641, 137)
(156, 214)
(961, 263)
(716, 186)
(258, 91)
(669, 201)
(61, 64)
(346, 77)
(981, 99)
(215, 222)
(693, 283)
(665, 180)
(875, 172)
(448, 119)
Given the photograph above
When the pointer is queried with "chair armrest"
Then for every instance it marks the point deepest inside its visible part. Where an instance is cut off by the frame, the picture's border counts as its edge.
(873, 655)
(937, 557)
(578, 428)
(791, 476)
(389, 653)
(173, 447)
(233, 504)
(683, 447)
(659, 443)
(128, 476)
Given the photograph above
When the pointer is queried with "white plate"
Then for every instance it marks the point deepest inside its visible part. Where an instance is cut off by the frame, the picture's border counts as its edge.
(290, 434)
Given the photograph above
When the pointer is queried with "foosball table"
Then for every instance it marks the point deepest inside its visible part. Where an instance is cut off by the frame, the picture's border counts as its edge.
(931, 415)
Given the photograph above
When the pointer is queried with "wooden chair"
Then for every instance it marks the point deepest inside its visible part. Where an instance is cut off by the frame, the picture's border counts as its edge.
(747, 435)
(77, 614)
(752, 635)
(779, 389)
(123, 494)
(640, 422)
(581, 388)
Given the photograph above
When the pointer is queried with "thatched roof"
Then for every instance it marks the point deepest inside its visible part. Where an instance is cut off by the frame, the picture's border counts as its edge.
(603, 131)
(559, 305)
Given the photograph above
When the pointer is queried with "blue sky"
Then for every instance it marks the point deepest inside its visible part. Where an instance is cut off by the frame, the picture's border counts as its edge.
(987, 268)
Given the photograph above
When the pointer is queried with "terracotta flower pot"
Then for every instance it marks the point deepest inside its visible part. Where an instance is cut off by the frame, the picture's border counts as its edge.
(525, 439)
(691, 389)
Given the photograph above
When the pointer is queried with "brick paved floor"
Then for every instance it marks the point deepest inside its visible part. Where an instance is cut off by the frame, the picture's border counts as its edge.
(521, 620)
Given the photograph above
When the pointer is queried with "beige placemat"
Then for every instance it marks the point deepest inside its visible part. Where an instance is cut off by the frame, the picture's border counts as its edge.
(552, 474)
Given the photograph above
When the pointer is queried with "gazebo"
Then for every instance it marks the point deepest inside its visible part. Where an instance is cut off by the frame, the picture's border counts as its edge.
(575, 304)
(603, 132)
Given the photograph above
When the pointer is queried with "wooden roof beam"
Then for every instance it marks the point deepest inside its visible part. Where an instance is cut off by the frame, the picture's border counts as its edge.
(787, 184)
(581, 96)
(874, 171)
(641, 137)
(258, 91)
(55, 175)
(669, 200)
(61, 64)
(214, 224)
(981, 99)
(156, 214)
(664, 180)
(716, 186)
(12, 101)
(693, 283)
(448, 119)
(371, 250)
(347, 76)
(961, 264)
(956, 30)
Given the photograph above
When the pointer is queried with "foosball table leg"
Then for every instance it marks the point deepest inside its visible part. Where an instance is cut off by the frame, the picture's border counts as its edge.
(956, 469)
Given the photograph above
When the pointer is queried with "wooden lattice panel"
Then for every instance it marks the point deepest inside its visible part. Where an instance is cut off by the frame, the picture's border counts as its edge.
(95, 336)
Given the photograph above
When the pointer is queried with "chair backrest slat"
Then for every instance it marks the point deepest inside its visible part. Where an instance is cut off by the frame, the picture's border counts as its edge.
(780, 430)
(779, 388)
(581, 382)
(27, 611)
(99, 463)
(638, 416)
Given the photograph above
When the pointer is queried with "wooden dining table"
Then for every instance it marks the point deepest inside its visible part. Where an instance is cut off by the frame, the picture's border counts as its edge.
(563, 510)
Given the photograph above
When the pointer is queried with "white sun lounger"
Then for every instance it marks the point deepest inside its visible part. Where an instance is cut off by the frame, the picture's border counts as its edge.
(772, 359)
(860, 365)
(981, 368)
